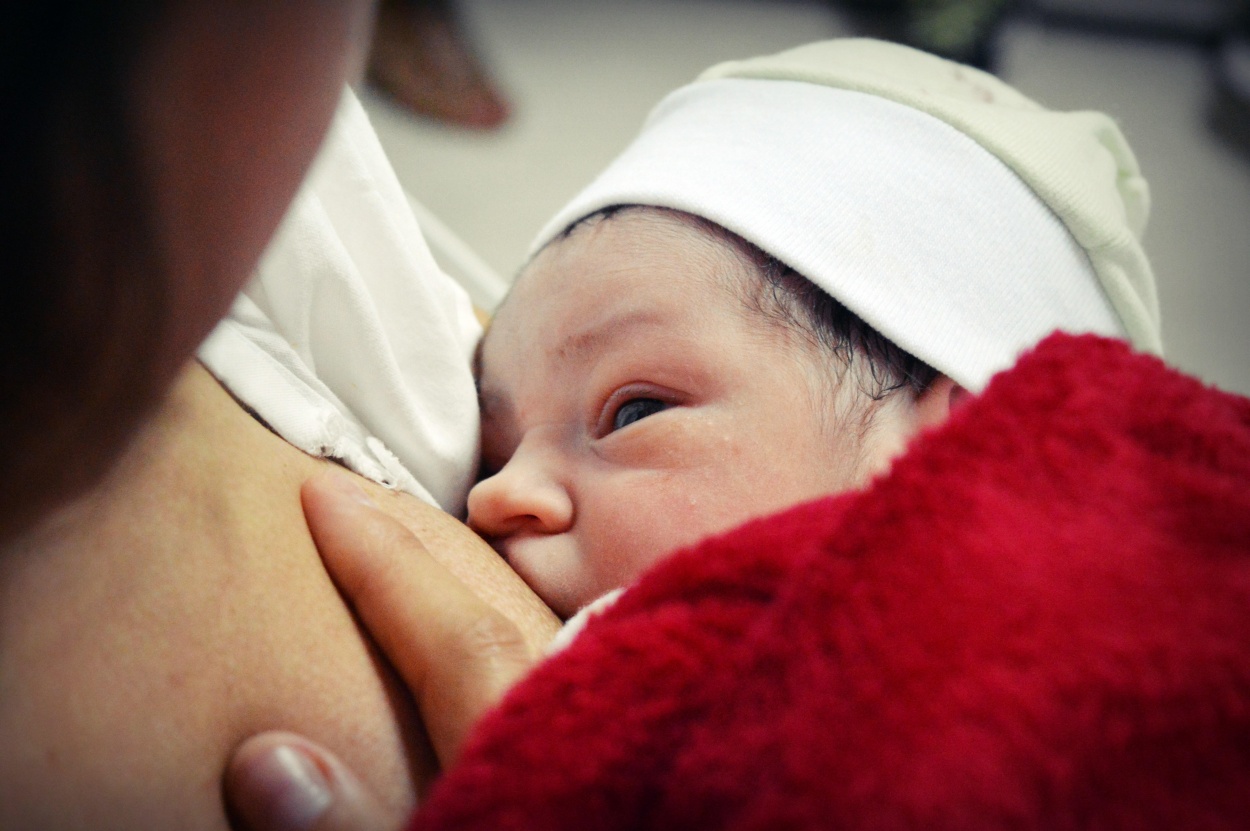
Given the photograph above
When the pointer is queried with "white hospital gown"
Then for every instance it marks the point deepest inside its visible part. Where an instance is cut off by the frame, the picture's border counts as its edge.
(350, 342)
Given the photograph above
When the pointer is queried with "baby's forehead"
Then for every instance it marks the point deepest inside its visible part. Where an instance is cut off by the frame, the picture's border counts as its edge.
(704, 255)
(704, 266)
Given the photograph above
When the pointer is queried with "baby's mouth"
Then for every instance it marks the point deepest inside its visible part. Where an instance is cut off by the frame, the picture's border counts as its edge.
(509, 548)
(500, 544)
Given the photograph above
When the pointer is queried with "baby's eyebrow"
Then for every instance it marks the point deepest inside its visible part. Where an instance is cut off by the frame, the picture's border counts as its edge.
(595, 337)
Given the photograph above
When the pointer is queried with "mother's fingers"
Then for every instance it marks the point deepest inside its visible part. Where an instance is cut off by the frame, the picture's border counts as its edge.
(456, 653)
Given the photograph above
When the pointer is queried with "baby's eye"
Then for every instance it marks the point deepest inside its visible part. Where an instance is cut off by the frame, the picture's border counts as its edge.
(636, 409)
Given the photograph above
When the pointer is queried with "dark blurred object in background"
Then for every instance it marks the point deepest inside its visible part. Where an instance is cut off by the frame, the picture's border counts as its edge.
(962, 30)
(1230, 106)
(1196, 20)
(423, 61)
(1220, 26)
(967, 31)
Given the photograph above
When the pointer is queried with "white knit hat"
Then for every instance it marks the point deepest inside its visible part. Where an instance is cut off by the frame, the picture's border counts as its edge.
(957, 217)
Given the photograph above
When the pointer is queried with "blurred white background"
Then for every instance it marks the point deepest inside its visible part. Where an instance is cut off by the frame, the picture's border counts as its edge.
(582, 74)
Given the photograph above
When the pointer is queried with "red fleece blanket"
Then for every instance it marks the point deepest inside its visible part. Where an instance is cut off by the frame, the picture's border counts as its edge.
(1039, 619)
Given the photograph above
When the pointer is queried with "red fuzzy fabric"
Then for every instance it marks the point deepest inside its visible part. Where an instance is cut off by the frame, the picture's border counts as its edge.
(1039, 619)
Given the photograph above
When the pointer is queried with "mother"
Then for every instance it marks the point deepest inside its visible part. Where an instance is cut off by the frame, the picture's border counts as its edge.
(160, 594)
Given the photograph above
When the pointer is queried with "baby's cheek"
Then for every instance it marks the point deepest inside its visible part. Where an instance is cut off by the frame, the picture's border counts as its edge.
(667, 510)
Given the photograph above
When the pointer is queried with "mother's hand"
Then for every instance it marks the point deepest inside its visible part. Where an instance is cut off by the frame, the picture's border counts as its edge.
(455, 653)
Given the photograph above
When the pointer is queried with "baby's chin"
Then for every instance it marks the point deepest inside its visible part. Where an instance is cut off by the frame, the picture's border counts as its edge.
(574, 625)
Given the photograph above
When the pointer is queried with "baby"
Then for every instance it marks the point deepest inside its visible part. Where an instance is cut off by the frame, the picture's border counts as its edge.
(652, 380)
(802, 261)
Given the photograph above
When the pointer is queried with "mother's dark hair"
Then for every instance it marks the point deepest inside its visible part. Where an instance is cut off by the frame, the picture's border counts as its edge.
(81, 307)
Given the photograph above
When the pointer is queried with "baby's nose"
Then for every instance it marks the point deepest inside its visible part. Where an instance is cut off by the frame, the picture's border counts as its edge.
(520, 498)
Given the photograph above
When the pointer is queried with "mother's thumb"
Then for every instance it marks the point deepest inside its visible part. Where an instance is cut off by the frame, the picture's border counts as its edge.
(282, 782)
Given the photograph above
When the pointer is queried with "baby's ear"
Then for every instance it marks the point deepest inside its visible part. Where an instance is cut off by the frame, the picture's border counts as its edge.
(935, 403)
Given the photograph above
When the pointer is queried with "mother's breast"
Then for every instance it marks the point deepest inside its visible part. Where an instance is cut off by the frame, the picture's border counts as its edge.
(148, 628)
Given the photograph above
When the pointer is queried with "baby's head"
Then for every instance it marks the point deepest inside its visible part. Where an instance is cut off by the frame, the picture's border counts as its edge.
(809, 270)
(651, 380)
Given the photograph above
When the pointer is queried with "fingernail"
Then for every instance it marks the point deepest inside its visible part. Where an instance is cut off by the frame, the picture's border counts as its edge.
(343, 484)
(295, 790)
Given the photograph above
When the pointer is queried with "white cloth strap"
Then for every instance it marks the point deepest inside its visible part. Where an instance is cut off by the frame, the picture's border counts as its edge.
(349, 341)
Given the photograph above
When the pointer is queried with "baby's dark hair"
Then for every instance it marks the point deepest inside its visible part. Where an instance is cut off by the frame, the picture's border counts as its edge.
(784, 296)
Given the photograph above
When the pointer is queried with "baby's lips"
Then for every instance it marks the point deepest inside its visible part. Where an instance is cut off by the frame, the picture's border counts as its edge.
(517, 549)
(500, 544)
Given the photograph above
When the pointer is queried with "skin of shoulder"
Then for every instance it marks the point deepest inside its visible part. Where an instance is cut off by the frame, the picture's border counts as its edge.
(180, 607)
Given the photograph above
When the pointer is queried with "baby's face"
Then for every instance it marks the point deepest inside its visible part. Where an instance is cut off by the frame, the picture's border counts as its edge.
(630, 406)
